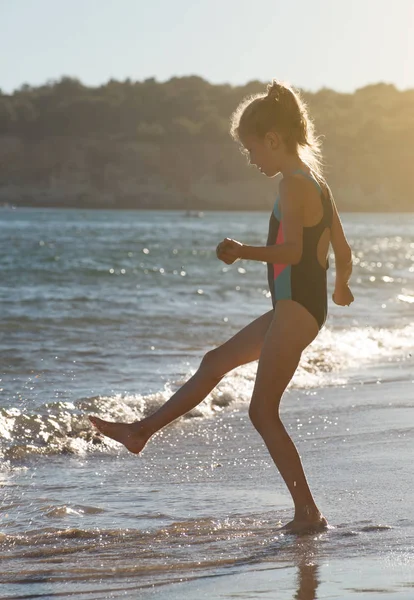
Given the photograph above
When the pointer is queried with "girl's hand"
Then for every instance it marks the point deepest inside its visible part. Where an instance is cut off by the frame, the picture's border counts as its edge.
(342, 295)
(228, 251)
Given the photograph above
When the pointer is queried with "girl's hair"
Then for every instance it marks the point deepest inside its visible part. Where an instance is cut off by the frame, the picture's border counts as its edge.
(280, 109)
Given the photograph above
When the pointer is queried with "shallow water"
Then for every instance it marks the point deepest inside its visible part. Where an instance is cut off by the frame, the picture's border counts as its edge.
(109, 312)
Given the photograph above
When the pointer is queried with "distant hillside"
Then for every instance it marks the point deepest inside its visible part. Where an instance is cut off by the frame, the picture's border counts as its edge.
(166, 145)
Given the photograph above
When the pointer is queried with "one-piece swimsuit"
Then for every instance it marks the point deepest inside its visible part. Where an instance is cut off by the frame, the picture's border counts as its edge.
(304, 282)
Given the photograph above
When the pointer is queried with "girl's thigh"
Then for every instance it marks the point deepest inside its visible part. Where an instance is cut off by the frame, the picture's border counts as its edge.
(291, 330)
(244, 347)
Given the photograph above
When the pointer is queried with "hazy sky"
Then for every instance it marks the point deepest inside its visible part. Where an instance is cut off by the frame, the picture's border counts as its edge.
(341, 44)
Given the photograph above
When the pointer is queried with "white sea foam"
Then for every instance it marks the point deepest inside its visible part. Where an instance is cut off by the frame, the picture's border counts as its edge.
(64, 428)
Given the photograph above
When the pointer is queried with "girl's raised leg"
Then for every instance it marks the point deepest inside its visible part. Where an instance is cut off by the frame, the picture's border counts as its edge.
(242, 348)
(292, 329)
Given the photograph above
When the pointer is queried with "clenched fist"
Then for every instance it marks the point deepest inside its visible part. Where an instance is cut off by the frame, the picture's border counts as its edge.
(228, 251)
(343, 295)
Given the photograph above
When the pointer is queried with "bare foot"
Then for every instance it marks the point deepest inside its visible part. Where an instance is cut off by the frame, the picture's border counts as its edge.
(314, 525)
(132, 435)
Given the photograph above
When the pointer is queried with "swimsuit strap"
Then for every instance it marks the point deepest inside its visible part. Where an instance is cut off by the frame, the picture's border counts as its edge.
(301, 172)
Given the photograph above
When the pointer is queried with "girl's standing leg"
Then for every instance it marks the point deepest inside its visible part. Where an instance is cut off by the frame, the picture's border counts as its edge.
(292, 329)
(242, 348)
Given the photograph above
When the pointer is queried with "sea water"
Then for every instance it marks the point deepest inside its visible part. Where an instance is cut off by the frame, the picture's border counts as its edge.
(109, 312)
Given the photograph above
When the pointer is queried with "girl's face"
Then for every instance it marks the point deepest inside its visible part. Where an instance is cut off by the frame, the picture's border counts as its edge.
(264, 153)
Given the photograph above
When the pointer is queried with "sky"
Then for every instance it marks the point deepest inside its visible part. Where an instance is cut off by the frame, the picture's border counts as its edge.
(340, 44)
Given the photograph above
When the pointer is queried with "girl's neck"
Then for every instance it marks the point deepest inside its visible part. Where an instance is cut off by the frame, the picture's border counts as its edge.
(291, 164)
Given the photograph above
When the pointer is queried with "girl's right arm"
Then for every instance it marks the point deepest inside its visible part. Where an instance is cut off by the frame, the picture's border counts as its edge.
(343, 261)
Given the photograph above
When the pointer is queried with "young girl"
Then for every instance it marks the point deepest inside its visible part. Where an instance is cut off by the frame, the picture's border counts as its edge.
(276, 132)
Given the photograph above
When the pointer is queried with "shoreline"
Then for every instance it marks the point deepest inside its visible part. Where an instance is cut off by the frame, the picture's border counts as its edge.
(195, 503)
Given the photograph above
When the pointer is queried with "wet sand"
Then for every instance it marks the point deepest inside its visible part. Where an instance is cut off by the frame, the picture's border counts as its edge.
(198, 514)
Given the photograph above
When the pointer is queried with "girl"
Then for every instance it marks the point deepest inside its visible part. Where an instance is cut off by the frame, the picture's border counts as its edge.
(276, 132)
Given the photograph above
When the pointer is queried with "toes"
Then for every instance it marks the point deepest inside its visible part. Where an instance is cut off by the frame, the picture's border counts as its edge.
(98, 423)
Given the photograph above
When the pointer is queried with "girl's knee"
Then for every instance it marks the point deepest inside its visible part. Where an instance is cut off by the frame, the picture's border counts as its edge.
(210, 365)
(254, 416)
(264, 416)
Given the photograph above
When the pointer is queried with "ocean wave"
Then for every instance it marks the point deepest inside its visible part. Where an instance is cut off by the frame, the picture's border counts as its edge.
(63, 427)
(239, 535)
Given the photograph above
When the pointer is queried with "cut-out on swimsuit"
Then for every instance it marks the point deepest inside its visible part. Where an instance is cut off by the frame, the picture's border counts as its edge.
(304, 282)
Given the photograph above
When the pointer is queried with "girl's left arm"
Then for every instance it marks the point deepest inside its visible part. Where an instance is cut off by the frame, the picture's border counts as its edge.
(291, 193)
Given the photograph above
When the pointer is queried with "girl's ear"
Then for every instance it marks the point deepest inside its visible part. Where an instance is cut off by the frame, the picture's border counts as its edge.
(273, 140)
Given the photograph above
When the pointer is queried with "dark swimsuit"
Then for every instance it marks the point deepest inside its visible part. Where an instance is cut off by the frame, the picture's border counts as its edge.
(304, 282)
